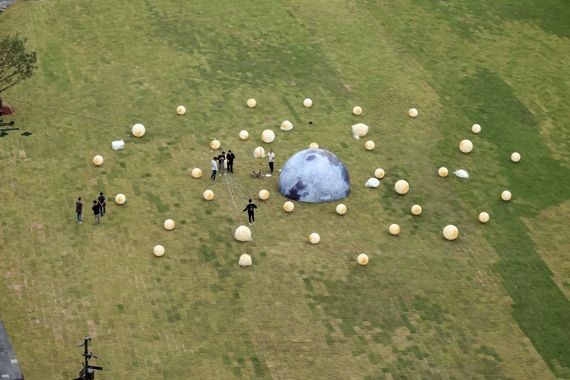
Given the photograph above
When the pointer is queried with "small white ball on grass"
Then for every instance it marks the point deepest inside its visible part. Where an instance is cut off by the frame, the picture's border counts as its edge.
(369, 145)
(181, 110)
(288, 206)
(308, 103)
(394, 229)
(313, 145)
(264, 195)
(245, 260)
(242, 233)
(359, 130)
(402, 187)
(120, 199)
(484, 217)
(476, 128)
(215, 144)
(259, 152)
(98, 160)
(416, 210)
(158, 250)
(413, 112)
(450, 232)
(208, 195)
(442, 172)
(341, 209)
(243, 135)
(251, 103)
(196, 173)
(267, 136)
(138, 130)
(379, 173)
(169, 224)
(466, 146)
(362, 259)
(314, 238)
(286, 125)
(506, 195)
(357, 110)
(515, 157)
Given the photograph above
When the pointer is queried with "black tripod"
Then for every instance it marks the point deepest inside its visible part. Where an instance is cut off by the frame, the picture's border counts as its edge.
(88, 371)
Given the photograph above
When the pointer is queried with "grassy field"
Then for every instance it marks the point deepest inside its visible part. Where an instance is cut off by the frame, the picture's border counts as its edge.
(493, 304)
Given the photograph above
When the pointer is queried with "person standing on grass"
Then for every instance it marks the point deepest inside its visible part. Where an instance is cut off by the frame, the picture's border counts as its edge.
(96, 210)
(250, 211)
(271, 159)
(214, 169)
(102, 203)
(230, 157)
(221, 160)
(79, 210)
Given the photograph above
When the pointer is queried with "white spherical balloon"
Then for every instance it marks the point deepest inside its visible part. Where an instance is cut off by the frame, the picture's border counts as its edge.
(208, 195)
(169, 224)
(413, 112)
(379, 173)
(394, 229)
(416, 210)
(264, 195)
(357, 110)
(450, 232)
(288, 206)
(196, 172)
(506, 195)
(515, 157)
(181, 110)
(341, 209)
(314, 238)
(402, 187)
(243, 233)
(215, 144)
(359, 130)
(362, 259)
(442, 172)
(251, 103)
(267, 136)
(313, 145)
(466, 146)
(369, 145)
(484, 217)
(476, 128)
(158, 250)
(245, 260)
(120, 199)
(308, 103)
(138, 130)
(286, 125)
(243, 135)
(98, 160)
(259, 152)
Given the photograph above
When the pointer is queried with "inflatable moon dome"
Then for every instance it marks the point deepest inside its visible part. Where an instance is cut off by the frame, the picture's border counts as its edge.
(314, 175)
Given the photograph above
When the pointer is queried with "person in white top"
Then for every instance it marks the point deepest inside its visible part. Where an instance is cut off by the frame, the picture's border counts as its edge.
(271, 159)
(214, 169)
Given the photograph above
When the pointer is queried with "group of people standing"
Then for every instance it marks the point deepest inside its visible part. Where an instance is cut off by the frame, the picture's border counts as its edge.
(224, 163)
(98, 207)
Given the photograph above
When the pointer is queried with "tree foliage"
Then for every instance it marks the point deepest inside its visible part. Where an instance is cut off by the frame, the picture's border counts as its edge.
(16, 62)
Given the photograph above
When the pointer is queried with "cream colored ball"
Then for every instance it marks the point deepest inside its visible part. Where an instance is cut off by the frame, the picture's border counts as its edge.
(413, 112)
(288, 206)
(362, 259)
(245, 260)
(251, 103)
(450, 232)
(314, 238)
(267, 136)
(379, 173)
(98, 160)
(442, 172)
(181, 110)
(138, 130)
(243, 135)
(158, 250)
(169, 224)
(484, 217)
(466, 146)
(308, 103)
(402, 187)
(208, 195)
(506, 195)
(196, 173)
(120, 199)
(215, 144)
(357, 110)
(416, 210)
(243, 233)
(341, 209)
(515, 157)
(394, 229)
(476, 128)
(259, 152)
(313, 145)
(286, 125)
(369, 145)
(264, 195)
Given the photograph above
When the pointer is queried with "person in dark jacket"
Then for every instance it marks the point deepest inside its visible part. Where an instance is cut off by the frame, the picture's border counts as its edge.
(102, 203)
(96, 210)
(221, 160)
(79, 210)
(250, 211)
(230, 157)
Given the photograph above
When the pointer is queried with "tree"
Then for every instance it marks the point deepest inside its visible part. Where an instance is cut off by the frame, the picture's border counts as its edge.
(16, 62)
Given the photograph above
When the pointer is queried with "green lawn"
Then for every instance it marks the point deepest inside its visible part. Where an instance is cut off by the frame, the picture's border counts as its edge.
(493, 304)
